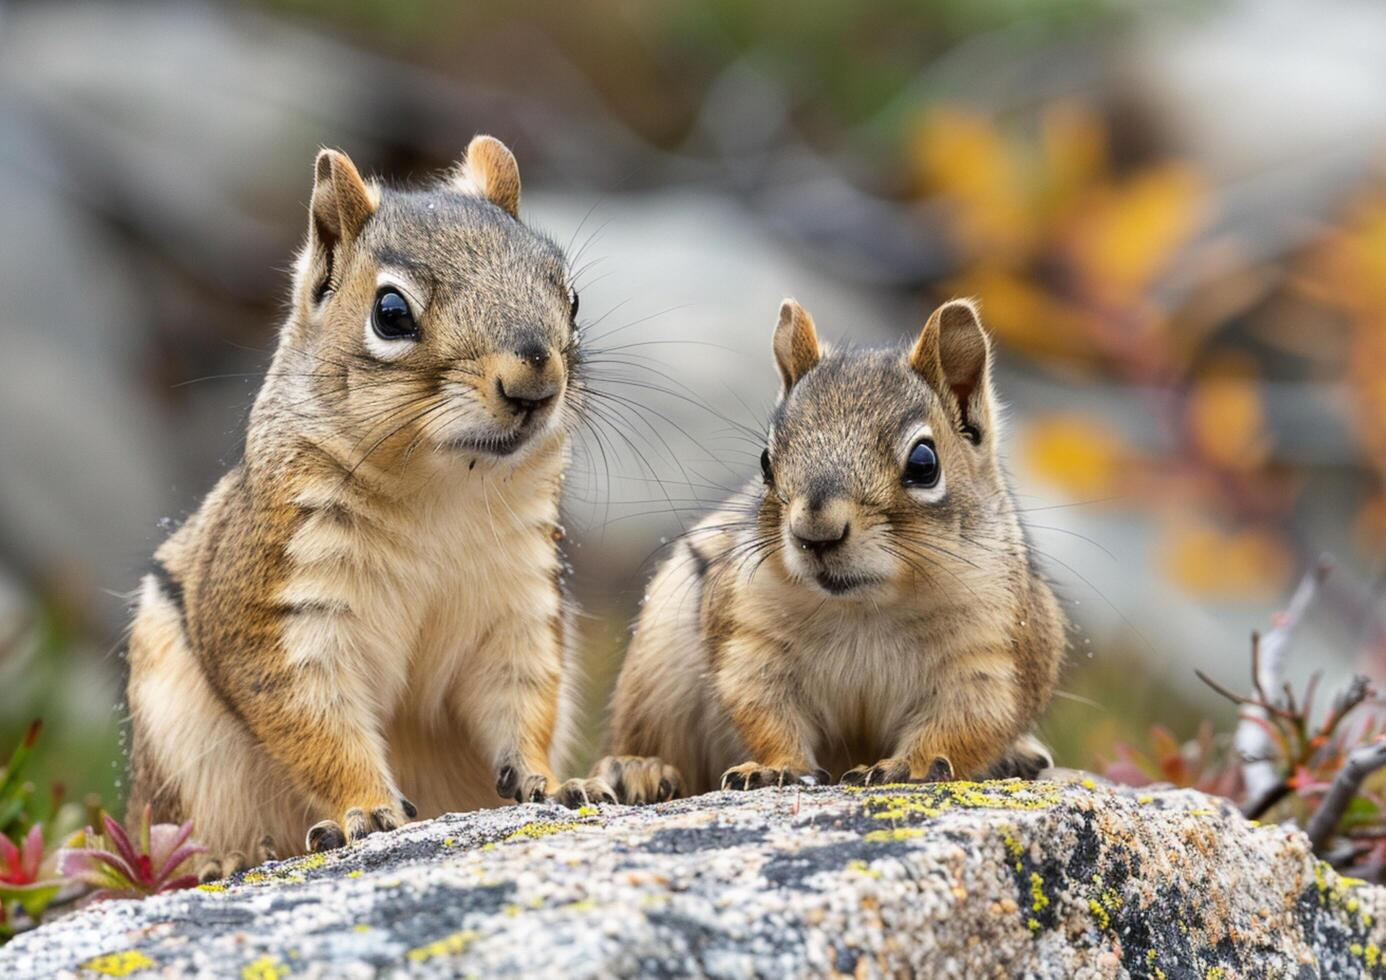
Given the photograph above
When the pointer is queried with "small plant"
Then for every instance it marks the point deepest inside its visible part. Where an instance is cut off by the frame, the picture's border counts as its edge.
(1206, 762)
(15, 793)
(1284, 756)
(115, 867)
(22, 881)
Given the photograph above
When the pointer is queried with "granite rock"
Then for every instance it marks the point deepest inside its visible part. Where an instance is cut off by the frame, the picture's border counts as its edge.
(961, 879)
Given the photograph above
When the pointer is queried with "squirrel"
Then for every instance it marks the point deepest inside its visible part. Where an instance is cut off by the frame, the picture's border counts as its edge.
(369, 608)
(869, 610)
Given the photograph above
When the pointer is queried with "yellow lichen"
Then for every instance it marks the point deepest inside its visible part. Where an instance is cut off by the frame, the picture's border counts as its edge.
(360, 927)
(541, 828)
(119, 964)
(447, 946)
(290, 872)
(264, 968)
(862, 868)
(587, 811)
(1038, 899)
(1104, 920)
(934, 799)
(1215, 973)
(1032, 924)
(894, 834)
(212, 886)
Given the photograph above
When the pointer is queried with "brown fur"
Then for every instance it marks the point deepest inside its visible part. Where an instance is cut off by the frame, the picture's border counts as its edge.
(367, 610)
(835, 622)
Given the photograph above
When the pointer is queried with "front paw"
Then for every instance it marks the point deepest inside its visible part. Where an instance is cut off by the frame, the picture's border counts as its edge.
(358, 822)
(583, 792)
(752, 775)
(515, 783)
(639, 779)
(225, 865)
(885, 771)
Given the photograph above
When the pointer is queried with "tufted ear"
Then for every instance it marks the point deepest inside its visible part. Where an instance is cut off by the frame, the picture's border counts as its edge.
(489, 170)
(795, 344)
(953, 353)
(341, 204)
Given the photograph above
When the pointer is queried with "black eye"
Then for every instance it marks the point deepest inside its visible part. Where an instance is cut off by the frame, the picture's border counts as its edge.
(391, 318)
(922, 469)
(765, 470)
(572, 304)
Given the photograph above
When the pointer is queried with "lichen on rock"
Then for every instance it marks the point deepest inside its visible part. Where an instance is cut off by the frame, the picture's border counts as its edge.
(956, 879)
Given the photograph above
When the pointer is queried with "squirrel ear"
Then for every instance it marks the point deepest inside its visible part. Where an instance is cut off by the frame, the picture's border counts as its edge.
(341, 204)
(341, 200)
(489, 169)
(795, 344)
(953, 354)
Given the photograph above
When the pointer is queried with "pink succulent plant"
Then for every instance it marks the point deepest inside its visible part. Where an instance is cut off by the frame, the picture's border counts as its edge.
(21, 873)
(125, 870)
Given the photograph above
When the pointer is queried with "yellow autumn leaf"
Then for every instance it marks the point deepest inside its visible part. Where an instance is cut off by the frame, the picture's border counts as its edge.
(1129, 233)
(966, 160)
(1021, 315)
(1075, 454)
(1226, 421)
(1073, 142)
(1249, 563)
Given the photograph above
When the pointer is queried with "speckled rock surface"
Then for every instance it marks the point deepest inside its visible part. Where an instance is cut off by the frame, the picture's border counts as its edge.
(952, 880)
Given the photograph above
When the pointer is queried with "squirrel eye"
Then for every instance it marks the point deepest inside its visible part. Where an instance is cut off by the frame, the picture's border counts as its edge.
(922, 468)
(572, 304)
(765, 471)
(391, 318)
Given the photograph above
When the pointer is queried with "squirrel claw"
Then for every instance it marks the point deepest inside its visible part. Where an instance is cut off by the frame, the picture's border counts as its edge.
(752, 775)
(325, 835)
(636, 779)
(883, 772)
(583, 792)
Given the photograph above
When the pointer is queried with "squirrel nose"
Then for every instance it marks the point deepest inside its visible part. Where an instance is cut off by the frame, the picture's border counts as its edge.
(819, 539)
(535, 355)
(526, 396)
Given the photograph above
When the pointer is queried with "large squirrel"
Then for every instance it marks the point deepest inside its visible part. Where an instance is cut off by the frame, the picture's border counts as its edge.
(368, 609)
(869, 609)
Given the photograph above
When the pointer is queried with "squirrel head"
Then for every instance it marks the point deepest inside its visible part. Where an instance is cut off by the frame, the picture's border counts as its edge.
(433, 316)
(882, 465)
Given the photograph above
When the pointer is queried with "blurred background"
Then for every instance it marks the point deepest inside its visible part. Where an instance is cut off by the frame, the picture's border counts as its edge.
(1173, 213)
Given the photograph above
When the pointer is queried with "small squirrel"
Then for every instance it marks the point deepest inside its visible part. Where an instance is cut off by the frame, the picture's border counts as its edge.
(368, 609)
(868, 610)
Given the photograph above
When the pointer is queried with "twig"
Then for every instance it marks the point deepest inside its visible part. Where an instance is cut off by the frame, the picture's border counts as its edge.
(1268, 672)
(1253, 809)
(1360, 764)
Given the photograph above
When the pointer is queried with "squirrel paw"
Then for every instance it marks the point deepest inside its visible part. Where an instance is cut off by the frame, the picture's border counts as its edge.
(885, 771)
(639, 779)
(1025, 759)
(752, 775)
(513, 783)
(583, 792)
(234, 862)
(358, 823)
